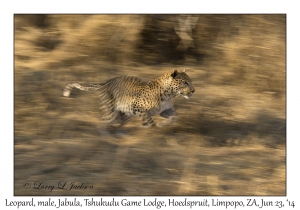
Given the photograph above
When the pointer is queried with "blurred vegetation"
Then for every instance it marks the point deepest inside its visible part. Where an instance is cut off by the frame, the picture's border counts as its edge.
(229, 138)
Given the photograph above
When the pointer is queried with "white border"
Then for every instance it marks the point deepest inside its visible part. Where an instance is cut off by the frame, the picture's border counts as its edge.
(8, 8)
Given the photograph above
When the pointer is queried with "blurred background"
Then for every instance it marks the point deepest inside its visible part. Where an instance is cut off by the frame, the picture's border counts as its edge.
(229, 138)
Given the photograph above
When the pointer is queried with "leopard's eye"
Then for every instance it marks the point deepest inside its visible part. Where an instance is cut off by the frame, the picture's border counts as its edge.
(186, 83)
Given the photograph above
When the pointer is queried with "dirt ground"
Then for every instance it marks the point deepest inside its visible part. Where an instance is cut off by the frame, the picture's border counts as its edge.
(229, 138)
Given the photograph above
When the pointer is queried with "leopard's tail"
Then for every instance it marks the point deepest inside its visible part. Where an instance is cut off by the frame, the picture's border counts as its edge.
(72, 85)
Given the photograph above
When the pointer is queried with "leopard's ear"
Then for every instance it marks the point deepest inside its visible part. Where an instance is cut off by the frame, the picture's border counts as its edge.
(174, 74)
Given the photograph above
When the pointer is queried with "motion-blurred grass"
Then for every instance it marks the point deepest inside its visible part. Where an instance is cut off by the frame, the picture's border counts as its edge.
(229, 138)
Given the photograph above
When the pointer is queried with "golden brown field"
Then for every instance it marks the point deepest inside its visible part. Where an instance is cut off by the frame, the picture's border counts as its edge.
(229, 138)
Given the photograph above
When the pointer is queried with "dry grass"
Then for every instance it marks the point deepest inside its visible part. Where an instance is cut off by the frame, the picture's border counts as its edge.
(229, 138)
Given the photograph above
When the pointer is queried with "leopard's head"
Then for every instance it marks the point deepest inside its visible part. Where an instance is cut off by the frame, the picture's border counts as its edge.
(181, 84)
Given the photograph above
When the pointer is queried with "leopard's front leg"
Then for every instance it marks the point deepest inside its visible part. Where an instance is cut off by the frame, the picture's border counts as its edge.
(148, 121)
(170, 115)
(143, 113)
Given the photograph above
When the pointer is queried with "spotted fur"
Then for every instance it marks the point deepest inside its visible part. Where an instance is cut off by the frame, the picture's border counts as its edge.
(123, 97)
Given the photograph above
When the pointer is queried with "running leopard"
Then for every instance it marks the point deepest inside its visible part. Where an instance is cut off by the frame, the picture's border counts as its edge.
(122, 98)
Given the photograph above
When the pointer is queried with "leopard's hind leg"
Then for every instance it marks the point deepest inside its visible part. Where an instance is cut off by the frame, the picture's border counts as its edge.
(108, 114)
(124, 118)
